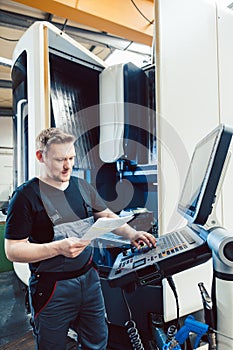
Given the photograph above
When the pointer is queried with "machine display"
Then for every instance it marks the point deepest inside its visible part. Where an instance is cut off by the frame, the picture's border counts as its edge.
(187, 246)
(203, 175)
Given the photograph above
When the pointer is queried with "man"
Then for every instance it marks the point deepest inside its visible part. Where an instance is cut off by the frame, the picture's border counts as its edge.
(63, 286)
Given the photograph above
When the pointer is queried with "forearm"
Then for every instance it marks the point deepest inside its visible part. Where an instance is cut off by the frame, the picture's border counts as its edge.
(125, 230)
(23, 251)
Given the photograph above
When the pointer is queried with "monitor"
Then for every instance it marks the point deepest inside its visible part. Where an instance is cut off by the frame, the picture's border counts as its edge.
(203, 175)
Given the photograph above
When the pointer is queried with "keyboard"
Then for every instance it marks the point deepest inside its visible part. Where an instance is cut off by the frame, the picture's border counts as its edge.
(174, 251)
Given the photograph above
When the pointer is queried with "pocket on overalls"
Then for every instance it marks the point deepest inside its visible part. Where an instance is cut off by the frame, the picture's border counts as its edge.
(41, 291)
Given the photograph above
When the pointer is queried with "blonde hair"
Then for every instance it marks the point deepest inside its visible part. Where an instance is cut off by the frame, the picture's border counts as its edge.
(52, 135)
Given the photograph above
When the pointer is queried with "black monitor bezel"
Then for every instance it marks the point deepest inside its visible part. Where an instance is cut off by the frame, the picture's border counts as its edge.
(209, 184)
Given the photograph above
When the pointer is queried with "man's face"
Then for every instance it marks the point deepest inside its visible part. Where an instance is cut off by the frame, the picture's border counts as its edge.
(59, 161)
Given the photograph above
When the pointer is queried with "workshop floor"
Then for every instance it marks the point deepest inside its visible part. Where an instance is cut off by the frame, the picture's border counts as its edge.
(14, 321)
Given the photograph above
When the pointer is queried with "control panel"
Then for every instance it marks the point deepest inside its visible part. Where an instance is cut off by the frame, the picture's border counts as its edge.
(175, 251)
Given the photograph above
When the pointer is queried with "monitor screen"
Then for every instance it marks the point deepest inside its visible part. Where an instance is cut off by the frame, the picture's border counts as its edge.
(203, 175)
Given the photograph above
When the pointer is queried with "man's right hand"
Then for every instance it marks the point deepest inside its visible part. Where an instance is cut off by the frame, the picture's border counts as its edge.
(71, 247)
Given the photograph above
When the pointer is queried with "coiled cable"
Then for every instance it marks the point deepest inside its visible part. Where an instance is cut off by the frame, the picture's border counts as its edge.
(171, 333)
(132, 331)
(134, 336)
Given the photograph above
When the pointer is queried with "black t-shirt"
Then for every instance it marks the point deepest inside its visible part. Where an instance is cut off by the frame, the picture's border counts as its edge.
(28, 218)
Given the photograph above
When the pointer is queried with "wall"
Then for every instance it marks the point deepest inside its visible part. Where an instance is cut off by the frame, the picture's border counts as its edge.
(194, 54)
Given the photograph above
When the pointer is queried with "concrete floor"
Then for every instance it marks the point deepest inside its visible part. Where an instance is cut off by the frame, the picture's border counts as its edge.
(14, 320)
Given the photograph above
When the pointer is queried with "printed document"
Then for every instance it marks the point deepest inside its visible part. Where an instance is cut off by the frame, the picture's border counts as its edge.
(105, 225)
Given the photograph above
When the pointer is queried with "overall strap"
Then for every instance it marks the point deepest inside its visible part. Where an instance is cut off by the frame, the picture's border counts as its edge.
(88, 207)
(53, 214)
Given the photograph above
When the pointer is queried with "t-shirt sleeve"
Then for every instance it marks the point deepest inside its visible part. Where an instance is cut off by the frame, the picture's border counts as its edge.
(19, 217)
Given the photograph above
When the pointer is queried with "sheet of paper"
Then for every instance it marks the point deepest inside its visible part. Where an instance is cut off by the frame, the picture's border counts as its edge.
(105, 225)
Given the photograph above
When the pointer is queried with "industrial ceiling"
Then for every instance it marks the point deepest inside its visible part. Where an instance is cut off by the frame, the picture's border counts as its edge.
(102, 26)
